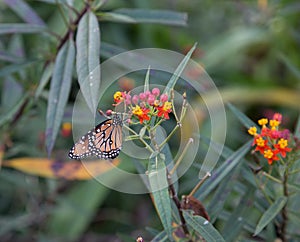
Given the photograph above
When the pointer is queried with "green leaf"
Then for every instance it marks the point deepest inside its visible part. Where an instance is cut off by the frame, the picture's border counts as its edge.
(231, 44)
(87, 59)
(160, 237)
(4, 56)
(76, 209)
(12, 92)
(44, 80)
(270, 214)
(25, 12)
(115, 17)
(203, 227)
(179, 70)
(224, 170)
(159, 189)
(247, 122)
(21, 28)
(96, 4)
(146, 85)
(297, 128)
(9, 69)
(154, 16)
(7, 117)
(109, 50)
(240, 216)
(59, 91)
(291, 66)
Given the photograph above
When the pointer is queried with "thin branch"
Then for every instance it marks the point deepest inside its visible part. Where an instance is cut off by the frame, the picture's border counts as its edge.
(178, 205)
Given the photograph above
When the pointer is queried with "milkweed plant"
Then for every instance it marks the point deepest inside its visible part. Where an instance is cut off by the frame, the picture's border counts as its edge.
(265, 179)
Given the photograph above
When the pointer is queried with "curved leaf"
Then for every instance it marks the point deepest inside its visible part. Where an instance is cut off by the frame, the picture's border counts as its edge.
(87, 59)
(203, 227)
(155, 16)
(222, 171)
(24, 11)
(271, 213)
(44, 80)
(21, 28)
(247, 122)
(59, 91)
(159, 188)
(73, 170)
(179, 70)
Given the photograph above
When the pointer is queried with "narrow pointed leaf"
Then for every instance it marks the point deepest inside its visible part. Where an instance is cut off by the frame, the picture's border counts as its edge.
(203, 227)
(44, 80)
(4, 56)
(247, 122)
(270, 214)
(224, 170)
(59, 91)
(13, 111)
(297, 129)
(116, 17)
(155, 16)
(178, 71)
(87, 59)
(146, 85)
(25, 12)
(159, 189)
(21, 28)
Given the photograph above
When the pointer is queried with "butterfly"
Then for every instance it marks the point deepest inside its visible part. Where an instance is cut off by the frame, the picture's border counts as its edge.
(104, 141)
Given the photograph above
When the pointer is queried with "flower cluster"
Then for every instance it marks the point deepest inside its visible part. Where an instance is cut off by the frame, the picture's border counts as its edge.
(146, 104)
(271, 141)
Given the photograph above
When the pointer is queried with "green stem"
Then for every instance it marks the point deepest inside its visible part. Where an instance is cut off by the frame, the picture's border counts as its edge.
(169, 136)
(271, 177)
(262, 190)
(284, 209)
(62, 13)
(181, 156)
(148, 147)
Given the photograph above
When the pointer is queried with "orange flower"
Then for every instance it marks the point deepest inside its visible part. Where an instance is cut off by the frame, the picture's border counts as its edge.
(261, 144)
(164, 110)
(271, 155)
(271, 141)
(282, 148)
(119, 97)
(141, 113)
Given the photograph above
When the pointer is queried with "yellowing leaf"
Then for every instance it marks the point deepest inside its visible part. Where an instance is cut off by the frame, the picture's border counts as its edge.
(70, 170)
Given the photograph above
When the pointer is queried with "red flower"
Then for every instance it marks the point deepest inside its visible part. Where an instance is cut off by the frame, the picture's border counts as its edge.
(271, 155)
(141, 113)
(164, 110)
(261, 144)
(282, 148)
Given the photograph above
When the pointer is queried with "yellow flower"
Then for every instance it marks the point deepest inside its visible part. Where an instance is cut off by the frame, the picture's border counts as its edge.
(118, 96)
(252, 130)
(260, 142)
(263, 121)
(167, 106)
(274, 123)
(268, 154)
(283, 143)
(137, 110)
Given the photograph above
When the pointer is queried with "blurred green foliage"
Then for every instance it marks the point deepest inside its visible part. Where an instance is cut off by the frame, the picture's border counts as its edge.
(249, 48)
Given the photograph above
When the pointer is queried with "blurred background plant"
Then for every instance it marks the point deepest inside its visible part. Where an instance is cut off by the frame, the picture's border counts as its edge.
(249, 48)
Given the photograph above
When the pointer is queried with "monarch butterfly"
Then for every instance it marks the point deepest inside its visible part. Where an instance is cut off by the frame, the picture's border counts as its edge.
(104, 141)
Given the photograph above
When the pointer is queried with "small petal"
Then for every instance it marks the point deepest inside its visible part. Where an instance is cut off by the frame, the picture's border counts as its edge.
(155, 91)
(164, 98)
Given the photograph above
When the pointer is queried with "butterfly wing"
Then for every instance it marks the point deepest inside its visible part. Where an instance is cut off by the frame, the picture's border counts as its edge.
(104, 141)
(107, 139)
(81, 148)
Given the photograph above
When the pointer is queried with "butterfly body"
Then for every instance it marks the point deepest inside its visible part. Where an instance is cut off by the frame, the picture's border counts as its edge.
(104, 141)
